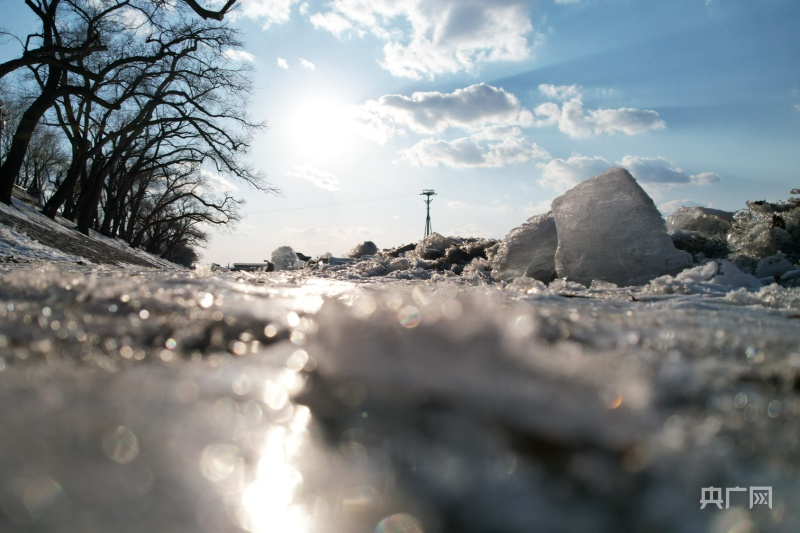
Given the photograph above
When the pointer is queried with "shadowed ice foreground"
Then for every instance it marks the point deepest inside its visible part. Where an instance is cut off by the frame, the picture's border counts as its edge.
(284, 402)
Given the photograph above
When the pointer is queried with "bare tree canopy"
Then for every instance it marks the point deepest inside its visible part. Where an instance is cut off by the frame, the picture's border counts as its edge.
(151, 109)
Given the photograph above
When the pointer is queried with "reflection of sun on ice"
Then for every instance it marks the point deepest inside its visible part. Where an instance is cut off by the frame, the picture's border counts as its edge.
(269, 502)
(321, 126)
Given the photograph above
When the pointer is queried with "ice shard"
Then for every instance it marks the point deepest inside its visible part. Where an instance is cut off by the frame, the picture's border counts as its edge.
(528, 250)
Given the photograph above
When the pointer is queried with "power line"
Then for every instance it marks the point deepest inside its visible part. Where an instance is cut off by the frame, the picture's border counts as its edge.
(336, 204)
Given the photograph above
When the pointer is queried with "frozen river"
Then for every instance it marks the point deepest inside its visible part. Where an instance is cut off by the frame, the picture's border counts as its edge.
(177, 402)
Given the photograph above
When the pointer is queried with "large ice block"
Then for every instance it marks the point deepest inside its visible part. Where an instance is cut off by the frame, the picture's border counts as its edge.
(609, 229)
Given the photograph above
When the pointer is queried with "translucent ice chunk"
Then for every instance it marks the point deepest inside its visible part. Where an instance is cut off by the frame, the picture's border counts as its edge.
(609, 229)
(365, 248)
(712, 222)
(528, 250)
(284, 258)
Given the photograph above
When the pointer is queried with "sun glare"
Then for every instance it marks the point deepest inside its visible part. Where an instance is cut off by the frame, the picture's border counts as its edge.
(321, 127)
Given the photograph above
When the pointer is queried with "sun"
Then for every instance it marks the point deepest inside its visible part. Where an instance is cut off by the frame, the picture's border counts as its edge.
(321, 127)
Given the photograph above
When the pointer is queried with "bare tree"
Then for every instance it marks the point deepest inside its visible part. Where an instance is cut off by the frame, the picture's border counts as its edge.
(46, 158)
(49, 55)
(150, 105)
(171, 88)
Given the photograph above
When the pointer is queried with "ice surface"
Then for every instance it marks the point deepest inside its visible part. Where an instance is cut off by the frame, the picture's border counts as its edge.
(773, 266)
(763, 230)
(528, 250)
(17, 247)
(609, 229)
(700, 245)
(711, 222)
(286, 401)
(365, 248)
(791, 275)
(284, 258)
(433, 246)
(720, 272)
(701, 231)
(398, 263)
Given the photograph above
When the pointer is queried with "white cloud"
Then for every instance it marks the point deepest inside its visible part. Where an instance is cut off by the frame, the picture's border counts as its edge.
(654, 170)
(469, 152)
(660, 171)
(217, 182)
(333, 22)
(305, 63)
(560, 92)
(667, 208)
(282, 63)
(134, 18)
(425, 38)
(491, 116)
(573, 120)
(238, 55)
(563, 174)
(473, 108)
(373, 124)
(704, 178)
(323, 180)
(560, 174)
(267, 12)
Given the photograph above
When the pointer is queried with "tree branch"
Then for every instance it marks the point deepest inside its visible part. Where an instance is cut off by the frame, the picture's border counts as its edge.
(207, 13)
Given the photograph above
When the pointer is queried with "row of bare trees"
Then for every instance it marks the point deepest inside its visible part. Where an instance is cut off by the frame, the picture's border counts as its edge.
(122, 113)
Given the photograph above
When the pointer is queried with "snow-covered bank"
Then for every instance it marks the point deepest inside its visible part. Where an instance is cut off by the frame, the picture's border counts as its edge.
(288, 401)
(27, 236)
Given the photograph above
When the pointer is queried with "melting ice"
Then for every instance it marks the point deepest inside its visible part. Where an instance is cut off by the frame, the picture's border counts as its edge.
(287, 402)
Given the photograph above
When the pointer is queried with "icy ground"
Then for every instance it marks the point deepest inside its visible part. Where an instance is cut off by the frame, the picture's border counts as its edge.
(284, 402)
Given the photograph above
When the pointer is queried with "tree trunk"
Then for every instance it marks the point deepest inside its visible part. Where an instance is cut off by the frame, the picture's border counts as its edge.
(67, 188)
(88, 202)
(22, 137)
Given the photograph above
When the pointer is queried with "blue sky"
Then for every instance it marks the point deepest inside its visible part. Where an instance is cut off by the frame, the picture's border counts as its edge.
(499, 106)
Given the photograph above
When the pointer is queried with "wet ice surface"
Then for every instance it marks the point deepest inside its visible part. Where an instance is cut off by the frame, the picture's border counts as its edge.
(171, 402)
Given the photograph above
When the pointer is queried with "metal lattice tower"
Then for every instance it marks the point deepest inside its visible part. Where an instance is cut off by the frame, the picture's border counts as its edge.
(428, 193)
